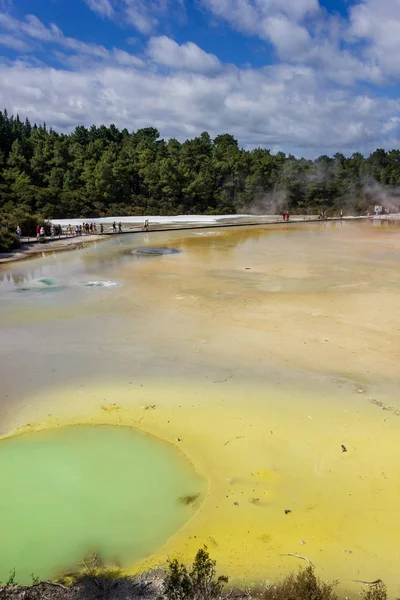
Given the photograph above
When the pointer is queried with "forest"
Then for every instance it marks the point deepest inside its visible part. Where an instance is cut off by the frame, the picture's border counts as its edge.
(104, 171)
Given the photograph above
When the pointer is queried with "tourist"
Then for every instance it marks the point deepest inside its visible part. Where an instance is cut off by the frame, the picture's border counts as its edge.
(42, 232)
(94, 228)
(19, 232)
(37, 230)
(341, 213)
(101, 228)
(52, 230)
(91, 228)
(284, 216)
(120, 227)
(287, 216)
(114, 227)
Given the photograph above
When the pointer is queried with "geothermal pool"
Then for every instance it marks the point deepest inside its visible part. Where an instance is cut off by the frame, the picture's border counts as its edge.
(258, 352)
(73, 491)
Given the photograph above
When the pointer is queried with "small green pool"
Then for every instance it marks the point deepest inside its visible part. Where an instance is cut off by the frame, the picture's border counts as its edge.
(69, 491)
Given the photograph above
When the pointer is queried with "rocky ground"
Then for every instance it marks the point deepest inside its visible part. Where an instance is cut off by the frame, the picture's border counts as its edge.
(147, 587)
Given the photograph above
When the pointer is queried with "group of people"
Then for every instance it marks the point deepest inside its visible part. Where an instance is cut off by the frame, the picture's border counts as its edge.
(91, 229)
(40, 231)
(85, 228)
(286, 216)
(115, 227)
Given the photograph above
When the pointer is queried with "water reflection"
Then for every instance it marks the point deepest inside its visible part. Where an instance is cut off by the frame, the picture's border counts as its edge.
(255, 247)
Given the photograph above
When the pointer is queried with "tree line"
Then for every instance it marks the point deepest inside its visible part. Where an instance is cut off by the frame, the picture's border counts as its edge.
(105, 171)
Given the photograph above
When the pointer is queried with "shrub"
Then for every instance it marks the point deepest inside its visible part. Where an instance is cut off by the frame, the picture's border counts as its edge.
(303, 586)
(11, 219)
(8, 241)
(27, 223)
(375, 592)
(105, 578)
(198, 583)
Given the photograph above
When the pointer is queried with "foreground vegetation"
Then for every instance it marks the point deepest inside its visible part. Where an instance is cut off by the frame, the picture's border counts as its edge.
(104, 171)
(8, 240)
(177, 582)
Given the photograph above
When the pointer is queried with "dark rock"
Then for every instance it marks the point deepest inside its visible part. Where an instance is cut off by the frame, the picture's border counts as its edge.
(154, 251)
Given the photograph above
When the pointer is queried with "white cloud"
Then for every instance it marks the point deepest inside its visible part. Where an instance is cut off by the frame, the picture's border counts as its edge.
(308, 104)
(301, 33)
(125, 59)
(31, 28)
(249, 16)
(140, 17)
(377, 22)
(82, 47)
(280, 106)
(165, 51)
(13, 42)
(101, 7)
(143, 15)
(287, 36)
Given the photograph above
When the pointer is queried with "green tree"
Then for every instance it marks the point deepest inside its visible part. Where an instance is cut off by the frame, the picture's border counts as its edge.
(95, 171)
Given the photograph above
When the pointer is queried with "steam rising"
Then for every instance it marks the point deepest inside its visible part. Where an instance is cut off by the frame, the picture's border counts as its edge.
(389, 198)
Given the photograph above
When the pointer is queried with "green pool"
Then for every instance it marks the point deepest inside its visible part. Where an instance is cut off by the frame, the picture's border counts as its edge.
(70, 491)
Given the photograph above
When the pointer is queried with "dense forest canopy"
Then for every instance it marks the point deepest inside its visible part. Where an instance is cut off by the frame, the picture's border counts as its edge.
(103, 171)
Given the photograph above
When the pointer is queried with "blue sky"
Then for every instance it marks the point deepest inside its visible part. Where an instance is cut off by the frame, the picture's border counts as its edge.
(303, 76)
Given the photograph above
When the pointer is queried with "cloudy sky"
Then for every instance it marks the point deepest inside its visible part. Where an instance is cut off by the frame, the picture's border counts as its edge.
(303, 76)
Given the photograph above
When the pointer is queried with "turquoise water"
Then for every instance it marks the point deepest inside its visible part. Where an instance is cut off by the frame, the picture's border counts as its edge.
(70, 491)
